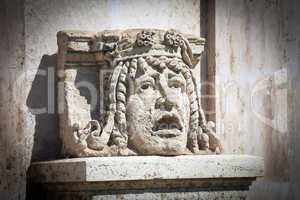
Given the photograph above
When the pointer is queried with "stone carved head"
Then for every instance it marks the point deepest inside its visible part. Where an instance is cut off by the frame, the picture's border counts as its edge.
(157, 105)
(154, 105)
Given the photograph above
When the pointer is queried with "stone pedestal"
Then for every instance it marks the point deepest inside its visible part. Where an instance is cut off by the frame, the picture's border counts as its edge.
(146, 177)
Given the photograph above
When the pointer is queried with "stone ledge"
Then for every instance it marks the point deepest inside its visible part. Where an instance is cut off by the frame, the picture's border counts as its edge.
(147, 168)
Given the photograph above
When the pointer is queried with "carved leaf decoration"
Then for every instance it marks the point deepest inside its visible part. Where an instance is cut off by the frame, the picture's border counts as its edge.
(145, 38)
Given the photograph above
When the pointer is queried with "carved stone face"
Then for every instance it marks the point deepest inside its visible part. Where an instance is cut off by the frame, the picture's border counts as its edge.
(158, 112)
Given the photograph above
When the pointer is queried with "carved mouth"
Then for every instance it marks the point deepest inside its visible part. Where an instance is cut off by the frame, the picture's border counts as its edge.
(167, 125)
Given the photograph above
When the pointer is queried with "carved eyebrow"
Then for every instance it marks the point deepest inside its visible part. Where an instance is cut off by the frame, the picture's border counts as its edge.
(177, 79)
(154, 74)
(145, 78)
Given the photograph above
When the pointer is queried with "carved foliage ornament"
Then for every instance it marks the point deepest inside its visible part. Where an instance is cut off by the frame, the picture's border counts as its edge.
(154, 107)
(145, 38)
(173, 39)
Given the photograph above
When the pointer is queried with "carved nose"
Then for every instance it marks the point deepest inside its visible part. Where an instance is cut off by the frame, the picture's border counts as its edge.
(163, 104)
(167, 100)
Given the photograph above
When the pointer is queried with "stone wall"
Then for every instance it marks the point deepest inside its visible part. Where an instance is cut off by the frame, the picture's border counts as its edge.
(15, 141)
(257, 89)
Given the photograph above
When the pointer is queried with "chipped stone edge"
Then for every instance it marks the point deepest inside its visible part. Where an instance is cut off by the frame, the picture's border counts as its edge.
(147, 168)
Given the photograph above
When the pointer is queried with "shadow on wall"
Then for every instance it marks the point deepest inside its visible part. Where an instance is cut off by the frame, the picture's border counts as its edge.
(41, 102)
(87, 83)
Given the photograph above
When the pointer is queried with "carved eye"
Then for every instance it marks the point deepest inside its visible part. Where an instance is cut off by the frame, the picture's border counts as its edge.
(146, 86)
(176, 83)
(175, 86)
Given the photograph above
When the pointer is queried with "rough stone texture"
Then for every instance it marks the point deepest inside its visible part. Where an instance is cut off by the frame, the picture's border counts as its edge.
(188, 177)
(187, 194)
(257, 88)
(44, 18)
(153, 105)
(15, 146)
(50, 17)
(28, 32)
(146, 168)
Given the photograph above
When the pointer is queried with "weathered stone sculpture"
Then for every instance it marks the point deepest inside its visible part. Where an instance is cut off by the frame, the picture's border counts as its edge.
(154, 104)
(133, 92)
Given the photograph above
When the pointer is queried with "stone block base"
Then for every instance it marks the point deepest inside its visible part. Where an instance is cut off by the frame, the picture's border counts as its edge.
(145, 177)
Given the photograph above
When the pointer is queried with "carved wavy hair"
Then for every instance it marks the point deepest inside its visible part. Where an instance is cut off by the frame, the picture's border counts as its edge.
(123, 75)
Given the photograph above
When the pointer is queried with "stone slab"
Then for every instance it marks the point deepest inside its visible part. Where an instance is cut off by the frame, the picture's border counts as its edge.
(157, 195)
(106, 169)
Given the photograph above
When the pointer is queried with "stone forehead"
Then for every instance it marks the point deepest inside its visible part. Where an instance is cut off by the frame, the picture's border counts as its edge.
(154, 66)
(157, 63)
